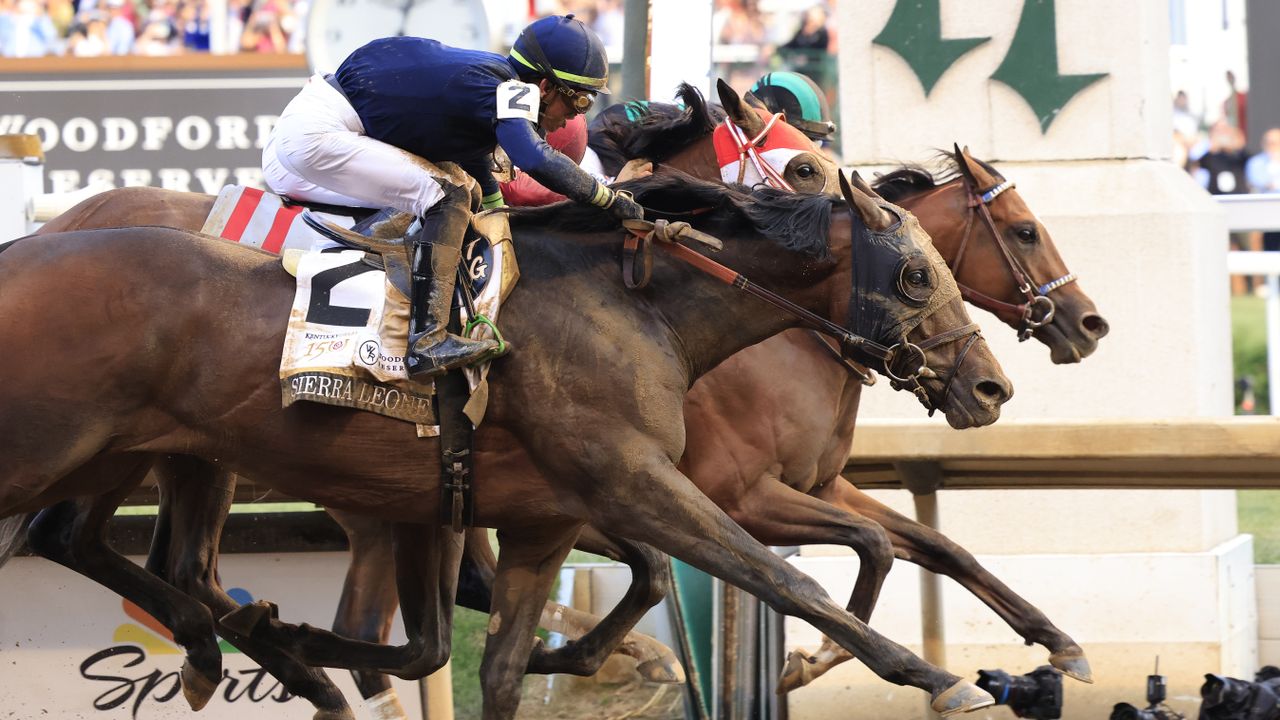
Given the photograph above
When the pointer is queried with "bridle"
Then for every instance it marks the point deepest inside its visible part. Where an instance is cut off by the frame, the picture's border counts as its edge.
(1038, 309)
(904, 362)
(749, 149)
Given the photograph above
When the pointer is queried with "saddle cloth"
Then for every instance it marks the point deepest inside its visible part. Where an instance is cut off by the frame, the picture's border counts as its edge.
(349, 325)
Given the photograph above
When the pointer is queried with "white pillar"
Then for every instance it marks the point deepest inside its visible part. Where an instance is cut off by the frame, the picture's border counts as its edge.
(680, 48)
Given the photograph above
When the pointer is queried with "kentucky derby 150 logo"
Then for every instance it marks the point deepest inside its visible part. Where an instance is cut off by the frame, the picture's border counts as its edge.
(130, 681)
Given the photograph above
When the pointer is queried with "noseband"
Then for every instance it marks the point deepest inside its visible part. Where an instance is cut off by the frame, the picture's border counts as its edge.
(1038, 309)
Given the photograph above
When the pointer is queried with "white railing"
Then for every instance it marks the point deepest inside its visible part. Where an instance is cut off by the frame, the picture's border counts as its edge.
(1248, 213)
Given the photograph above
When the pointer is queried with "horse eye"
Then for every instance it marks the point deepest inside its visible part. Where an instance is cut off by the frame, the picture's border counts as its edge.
(805, 171)
(1027, 235)
(919, 278)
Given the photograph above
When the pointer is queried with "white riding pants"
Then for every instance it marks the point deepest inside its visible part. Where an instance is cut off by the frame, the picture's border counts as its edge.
(318, 152)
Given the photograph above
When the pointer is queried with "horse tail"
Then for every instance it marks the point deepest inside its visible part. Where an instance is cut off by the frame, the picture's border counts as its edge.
(13, 531)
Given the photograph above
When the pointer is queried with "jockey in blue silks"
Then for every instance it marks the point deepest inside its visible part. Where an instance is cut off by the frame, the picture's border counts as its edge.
(369, 136)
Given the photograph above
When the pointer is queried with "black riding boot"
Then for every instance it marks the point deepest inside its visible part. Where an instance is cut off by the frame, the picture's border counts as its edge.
(436, 250)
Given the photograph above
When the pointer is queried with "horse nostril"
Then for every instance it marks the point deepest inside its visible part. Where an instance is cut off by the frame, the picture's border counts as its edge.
(1095, 325)
(992, 392)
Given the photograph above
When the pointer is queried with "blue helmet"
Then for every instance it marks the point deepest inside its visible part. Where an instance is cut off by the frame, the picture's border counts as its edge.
(563, 50)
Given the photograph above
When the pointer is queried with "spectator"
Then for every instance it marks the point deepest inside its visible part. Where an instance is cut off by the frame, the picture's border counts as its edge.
(263, 34)
(28, 31)
(157, 38)
(1186, 129)
(1221, 169)
(1263, 173)
(90, 39)
(806, 51)
(1235, 109)
(194, 20)
(120, 30)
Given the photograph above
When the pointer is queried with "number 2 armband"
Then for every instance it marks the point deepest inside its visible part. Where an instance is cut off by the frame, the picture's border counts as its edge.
(518, 100)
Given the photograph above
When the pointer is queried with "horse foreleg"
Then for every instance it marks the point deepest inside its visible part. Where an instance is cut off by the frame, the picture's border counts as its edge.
(776, 514)
(937, 553)
(73, 534)
(427, 559)
(195, 500)
(592, 640)
(527, 567)
(682, 522)
(368, 604)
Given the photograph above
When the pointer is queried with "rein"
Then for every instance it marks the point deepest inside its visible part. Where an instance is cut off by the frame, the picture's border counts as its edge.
(904, 362)
(1038, 309)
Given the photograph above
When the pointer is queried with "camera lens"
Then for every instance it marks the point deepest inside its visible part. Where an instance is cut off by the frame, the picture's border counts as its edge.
(1038, 694)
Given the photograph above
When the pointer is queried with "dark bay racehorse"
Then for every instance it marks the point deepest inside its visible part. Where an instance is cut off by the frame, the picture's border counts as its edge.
(802, 450)
(211, 393)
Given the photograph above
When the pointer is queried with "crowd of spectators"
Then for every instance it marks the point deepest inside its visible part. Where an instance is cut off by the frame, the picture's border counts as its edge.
(96, 28)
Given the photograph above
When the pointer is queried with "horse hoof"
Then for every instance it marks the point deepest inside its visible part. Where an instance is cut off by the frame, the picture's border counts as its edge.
(246, 618)
(964, 696)
(798, 671)
(1073, 664)
(664, 669)
(196, 687)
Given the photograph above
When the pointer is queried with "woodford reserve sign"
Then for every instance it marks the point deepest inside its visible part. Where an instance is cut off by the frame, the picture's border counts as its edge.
(190, 123)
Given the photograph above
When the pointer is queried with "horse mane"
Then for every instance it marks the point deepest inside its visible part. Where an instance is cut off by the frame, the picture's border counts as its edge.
(795, 221)
(911, 180)
(663, 130)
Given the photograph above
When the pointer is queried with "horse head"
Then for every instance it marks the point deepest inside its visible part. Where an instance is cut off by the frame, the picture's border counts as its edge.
(1005, 261)
(755, 146)
(869, 276)
(904, 298)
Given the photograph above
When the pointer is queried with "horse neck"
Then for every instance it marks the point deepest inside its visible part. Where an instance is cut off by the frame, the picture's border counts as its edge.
(701, 320)
(698, 160)
(943, 212)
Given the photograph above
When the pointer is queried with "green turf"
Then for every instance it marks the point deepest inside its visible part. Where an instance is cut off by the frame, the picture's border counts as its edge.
(1258, 512)
(1249, 348)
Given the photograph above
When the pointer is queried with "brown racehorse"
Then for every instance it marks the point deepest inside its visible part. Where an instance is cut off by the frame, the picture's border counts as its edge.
(764, 439)
(211, 393)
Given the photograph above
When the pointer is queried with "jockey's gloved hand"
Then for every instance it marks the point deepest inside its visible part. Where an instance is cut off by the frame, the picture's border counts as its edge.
(626, 208)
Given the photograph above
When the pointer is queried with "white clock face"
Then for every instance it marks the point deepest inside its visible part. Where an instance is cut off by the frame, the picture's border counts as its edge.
(337, 27)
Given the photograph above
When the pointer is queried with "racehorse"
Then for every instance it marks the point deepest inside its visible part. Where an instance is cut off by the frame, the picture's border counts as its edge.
(212, 395)
(806, 444)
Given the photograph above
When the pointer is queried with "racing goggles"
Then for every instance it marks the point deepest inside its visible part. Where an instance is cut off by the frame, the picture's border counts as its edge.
(579, 100)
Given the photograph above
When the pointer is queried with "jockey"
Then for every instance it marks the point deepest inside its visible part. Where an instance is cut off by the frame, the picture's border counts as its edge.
(369, 136)
(801, 99)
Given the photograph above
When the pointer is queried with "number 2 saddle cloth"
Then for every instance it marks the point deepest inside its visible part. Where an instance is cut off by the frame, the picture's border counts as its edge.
(349, 324)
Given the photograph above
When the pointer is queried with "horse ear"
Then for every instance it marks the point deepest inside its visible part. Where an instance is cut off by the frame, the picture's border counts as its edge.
(739, 112)
(966, 165)
(862, 185)
(752, 101)
(865, 202)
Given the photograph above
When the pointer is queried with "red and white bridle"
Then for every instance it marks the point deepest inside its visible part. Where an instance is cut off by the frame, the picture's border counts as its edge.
(761, 159)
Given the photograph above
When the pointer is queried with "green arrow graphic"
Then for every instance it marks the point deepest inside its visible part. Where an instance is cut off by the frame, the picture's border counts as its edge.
(914, 31)
(1031, 66)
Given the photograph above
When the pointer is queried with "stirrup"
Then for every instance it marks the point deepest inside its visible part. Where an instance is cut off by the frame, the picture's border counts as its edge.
(481, 319)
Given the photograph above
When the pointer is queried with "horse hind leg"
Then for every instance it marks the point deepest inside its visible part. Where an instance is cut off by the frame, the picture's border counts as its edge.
(195, 500)
(73, 534)
(368, 604)
(592, 640)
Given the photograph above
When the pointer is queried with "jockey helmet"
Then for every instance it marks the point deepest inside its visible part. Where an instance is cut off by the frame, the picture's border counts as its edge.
(800, 98)
(565, 51)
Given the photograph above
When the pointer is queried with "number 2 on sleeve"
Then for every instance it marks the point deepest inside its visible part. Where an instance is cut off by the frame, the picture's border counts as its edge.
(518, 100)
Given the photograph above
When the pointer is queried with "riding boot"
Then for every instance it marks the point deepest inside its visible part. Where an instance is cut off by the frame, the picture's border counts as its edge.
(436, 249)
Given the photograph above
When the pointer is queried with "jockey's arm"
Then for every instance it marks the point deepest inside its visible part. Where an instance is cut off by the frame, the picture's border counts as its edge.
(552, 169)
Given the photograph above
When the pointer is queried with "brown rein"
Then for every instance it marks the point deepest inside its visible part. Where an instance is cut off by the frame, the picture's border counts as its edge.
(640, 238)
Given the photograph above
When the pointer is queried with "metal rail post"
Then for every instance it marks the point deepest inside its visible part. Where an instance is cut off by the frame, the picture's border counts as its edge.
(923, 480)
(635, 50)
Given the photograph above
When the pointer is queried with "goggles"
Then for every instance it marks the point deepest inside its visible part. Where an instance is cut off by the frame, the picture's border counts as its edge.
(579, 100)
